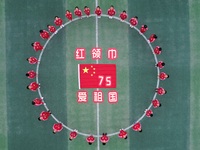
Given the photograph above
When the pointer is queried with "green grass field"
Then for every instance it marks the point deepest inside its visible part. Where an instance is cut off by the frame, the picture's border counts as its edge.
(175, 125)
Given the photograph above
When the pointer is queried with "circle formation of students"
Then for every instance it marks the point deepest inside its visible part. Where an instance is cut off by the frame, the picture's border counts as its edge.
(52, 29)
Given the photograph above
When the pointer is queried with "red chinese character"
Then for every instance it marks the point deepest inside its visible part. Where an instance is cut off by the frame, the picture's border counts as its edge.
(112, 53)
(98, 96)
(80, 54)
(112, 97)
(96, 53)
(82, 96)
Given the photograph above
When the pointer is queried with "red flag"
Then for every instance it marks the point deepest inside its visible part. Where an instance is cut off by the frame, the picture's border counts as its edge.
(97, 75)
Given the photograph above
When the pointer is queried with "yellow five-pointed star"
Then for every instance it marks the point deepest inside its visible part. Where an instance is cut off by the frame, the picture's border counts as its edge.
(85, 70)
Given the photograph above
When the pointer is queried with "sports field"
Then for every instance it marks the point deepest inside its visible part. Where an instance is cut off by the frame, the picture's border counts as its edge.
(174, 126)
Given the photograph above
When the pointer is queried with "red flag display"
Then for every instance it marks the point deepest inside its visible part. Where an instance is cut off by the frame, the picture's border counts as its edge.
(97, 75)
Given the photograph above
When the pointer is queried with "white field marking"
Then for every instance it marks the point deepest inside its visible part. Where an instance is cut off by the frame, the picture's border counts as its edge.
(40, 57)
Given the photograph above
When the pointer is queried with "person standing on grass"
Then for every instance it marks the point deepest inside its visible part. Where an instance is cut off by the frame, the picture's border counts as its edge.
(58, 21)
(77, 12)
(51, 28)
(73, 135)
(111, 11)
(87, 11)
(57, 127)
(152, 38)
(137, 127)
(133, 21)
(143, 28)
(160, 64)
(90, 139)
(33, 86)
(104, 138)
(122, 134)
(163, 76)
(123, 15)
(161, 91)
(44, 34)
(37, 101)
(37, 46)
(157, 50)
(149, 113)
(68, 15)
(44, 115)
(156, 103)
(31, 74)
(98, 11)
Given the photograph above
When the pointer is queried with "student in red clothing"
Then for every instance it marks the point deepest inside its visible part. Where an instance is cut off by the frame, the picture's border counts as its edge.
(160, 64)
(156, 103)
(68, 15)
(143, 28)
(123, 15)
(157, 50)
(77, 12)
(31, 74)
(87, 11)
(51, 28)
(149, 113)
(73, 135)
(57, 127)
(58, 21)
(33, 86)
(37, 101)
(44, 34)
(152, 38)
(90, 139)
(122, 134)
(137, 127)
(104, 138)
(133, 21)
(37, 46)
(44, 115)
(163, 76)
(161, 91)
(98, 11)
(111, 11)
(32, 60)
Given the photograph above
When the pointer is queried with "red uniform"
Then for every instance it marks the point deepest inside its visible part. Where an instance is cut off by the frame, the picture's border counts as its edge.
(44, 34)
(90, 139)
(51, 29)
(31, 74)
(123, 15)
(78, 12)
(58, 21)
(98, 11)
(161, 91)
(152, 38)
(32, 60)
(137, 127)
(44, 115)
(157, 50)
(156, 103)
(57, 127)
(111, 11)
(104, 139)
(160, 64)
(73, 135)
(122, 134)
(143, 28)
(37, 46)
(163, 76)
(149, 113)
(87, 11)
(133, 21)
(68, 15)
(37, 102)
(33, 86)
